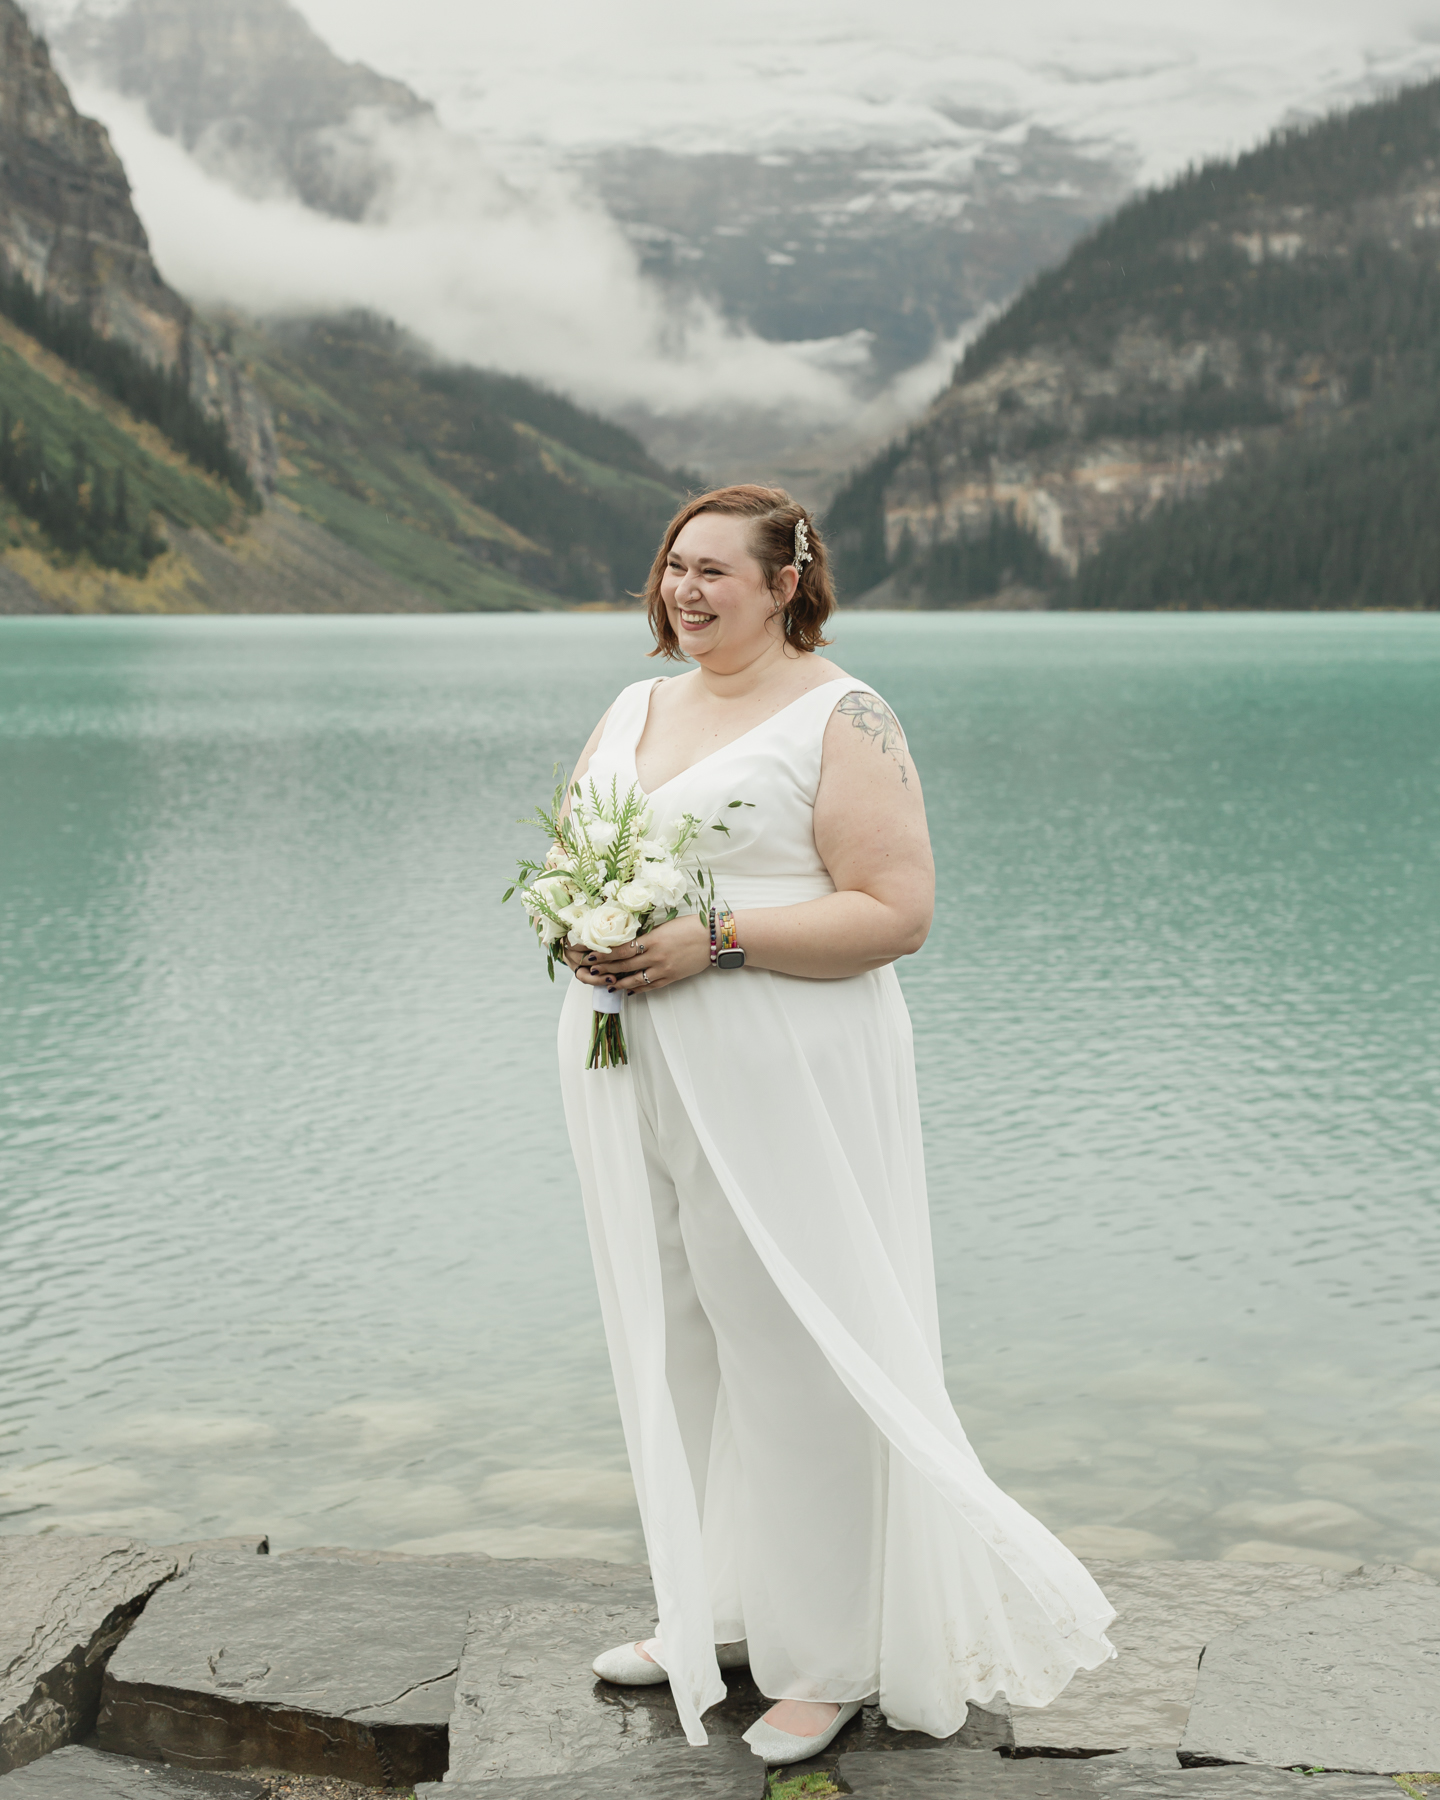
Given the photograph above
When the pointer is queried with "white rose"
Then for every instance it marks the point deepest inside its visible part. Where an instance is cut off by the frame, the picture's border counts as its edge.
(636, 896)
(652, 850)
(667, 881)
(601, 833)
(604, 927)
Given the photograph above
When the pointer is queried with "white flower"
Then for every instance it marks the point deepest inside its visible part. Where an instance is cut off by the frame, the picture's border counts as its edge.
(666, 880)
(652, 850)
(559, 858)
(637, 896)
(601, 833)
(604, 927)
(556, 891)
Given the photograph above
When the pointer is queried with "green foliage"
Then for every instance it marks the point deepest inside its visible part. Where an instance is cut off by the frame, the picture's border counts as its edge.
(855, 524)
(528, 499)
(84, 507)
(1378, 297)
(1003, 552)
(160, 396)
(86, 480)
(814, 1786)
(1346, 518)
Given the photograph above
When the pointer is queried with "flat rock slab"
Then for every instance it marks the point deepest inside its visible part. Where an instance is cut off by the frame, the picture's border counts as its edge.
(923, 1775)
(1350, 1681)
(1167, 1613)
(527, 1704)
(725, 1770)
(331, 1664)
(76, 1774)
(65, 1602)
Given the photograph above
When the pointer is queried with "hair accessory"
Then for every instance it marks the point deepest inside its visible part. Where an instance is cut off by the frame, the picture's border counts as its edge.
(802, 544)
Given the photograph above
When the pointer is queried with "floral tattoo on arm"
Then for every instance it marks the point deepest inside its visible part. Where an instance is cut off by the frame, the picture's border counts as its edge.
(870, 714)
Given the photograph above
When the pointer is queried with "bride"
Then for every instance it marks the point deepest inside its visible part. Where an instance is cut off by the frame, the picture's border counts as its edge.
(755, 1194)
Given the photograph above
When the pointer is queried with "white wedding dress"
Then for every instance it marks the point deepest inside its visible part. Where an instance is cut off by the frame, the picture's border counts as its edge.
(754, 1188)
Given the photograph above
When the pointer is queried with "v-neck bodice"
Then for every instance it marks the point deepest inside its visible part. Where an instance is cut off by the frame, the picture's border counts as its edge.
(767, 854)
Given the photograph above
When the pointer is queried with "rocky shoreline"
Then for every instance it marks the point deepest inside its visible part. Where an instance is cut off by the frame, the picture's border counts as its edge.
(220, 1672)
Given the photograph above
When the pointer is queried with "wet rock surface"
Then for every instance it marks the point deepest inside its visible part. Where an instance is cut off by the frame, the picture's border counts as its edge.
(65, 1602)
(373, 1668)
(1349, 1681)
(722, 1770)
(323, 1663)
(527, 1704)
(1155, 1775)
(1166, 1614)
(74, 1773)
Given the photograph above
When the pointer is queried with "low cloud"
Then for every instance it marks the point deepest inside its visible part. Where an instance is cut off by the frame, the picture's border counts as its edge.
(537, 281)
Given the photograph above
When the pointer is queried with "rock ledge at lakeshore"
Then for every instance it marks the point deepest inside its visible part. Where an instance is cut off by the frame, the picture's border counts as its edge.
(198, 1670)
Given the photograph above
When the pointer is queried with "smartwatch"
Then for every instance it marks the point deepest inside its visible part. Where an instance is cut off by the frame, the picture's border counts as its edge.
(725, 951)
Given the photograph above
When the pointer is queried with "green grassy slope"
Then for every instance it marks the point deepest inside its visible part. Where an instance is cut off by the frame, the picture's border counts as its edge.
(64, 414)
(481, 490)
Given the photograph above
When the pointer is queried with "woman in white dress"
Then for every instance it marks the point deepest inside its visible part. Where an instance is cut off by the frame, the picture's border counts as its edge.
(755, 1194)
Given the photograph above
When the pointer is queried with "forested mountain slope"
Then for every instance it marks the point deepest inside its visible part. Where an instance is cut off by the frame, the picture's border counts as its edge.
(480, 489)
(400, 484)
(1227, 395)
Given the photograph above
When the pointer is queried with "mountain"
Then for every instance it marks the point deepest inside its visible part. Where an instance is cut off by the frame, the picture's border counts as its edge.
(156, 459)
(69, 231)
(896, 243)
(869, 259)
(250, 90)
(479, 489)
(1195, 406)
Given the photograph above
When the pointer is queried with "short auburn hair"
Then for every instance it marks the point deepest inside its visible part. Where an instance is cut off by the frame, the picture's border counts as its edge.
(772, 543)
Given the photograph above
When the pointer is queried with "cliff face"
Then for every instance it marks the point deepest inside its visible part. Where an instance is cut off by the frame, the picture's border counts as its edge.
(251, 91)
(1250, 306)
(66, 220)
(69, 227)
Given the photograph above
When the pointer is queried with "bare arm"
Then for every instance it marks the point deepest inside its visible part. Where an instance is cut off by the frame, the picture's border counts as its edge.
(871, 834)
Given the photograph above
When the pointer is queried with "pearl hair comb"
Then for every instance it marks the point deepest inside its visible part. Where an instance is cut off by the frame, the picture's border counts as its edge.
(802, 545)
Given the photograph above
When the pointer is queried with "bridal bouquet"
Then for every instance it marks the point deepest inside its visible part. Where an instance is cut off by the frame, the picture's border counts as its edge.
(606, 880)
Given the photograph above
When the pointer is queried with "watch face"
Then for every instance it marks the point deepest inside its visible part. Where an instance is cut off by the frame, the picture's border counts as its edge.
(730, 959)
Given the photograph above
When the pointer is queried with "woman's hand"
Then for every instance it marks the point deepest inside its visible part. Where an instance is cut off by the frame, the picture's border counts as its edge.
(658, 959)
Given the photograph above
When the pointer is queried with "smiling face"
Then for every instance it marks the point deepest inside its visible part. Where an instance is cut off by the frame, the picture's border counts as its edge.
(715, 593)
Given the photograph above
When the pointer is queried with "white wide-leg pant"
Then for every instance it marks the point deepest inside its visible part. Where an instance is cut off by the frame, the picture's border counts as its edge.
(789, 1471)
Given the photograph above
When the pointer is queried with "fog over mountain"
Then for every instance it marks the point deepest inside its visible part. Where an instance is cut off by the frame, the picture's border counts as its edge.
(761, 238)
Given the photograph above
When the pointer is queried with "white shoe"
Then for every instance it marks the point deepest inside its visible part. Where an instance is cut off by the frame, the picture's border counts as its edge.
(783, 1747)
(626, 1667)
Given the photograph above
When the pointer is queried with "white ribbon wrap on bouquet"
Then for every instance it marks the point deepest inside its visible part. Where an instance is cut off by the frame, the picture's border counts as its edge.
(602, 1000)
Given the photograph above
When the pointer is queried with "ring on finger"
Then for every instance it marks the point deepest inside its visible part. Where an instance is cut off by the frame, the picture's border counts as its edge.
(645, 976)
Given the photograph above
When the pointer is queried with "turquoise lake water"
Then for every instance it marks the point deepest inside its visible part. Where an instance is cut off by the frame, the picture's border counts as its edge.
(289, 1236)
